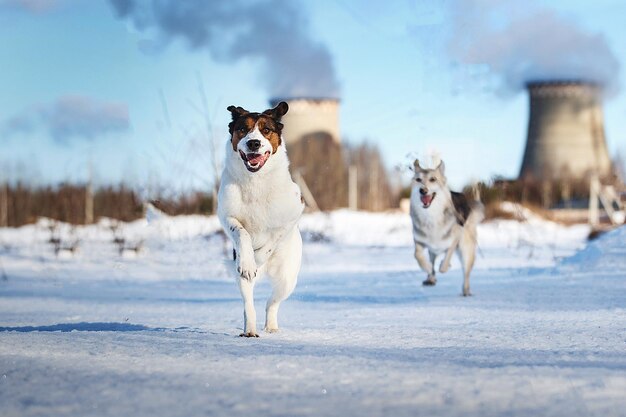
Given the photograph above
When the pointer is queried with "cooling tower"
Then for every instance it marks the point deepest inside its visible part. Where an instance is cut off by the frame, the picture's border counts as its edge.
(309, 116)
(565, 132)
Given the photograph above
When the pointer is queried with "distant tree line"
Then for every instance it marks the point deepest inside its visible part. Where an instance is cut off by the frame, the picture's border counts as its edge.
(321, 163)
(545, 194)
(22, 204)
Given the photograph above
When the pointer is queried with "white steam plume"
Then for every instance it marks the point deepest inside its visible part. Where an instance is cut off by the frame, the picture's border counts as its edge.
(522, 42)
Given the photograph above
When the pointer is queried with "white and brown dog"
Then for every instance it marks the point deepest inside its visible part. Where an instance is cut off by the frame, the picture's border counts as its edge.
(443, 222)
(259, 207)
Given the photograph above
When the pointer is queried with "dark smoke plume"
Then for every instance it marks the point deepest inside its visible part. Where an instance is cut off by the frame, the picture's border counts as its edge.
(274, 32)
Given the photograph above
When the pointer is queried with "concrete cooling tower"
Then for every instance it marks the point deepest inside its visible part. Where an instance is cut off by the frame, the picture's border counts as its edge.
(565, 132)
(310, 116)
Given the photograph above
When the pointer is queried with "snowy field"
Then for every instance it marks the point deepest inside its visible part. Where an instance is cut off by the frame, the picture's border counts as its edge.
(155, 333)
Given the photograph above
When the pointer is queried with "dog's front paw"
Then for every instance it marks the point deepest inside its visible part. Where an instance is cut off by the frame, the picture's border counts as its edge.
(249, 334)
(430, 281)
(466, 292)
(246, 268)
(444, 266)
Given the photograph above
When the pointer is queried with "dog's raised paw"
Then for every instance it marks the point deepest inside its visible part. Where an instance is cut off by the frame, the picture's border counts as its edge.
(246, 270)
(249, 334)
(246, 274)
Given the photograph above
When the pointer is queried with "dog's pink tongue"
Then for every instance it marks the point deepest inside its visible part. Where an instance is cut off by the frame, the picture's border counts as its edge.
(257, 159)
(426, 199)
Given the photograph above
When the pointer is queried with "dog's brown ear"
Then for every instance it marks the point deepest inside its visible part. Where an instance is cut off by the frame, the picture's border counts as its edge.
(277, 112)
(237, 112)
(416, 166)
(441, 167)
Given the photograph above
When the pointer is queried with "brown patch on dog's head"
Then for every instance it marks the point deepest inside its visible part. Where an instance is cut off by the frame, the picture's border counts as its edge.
(267, 122)
(271, 130)
(241, 124)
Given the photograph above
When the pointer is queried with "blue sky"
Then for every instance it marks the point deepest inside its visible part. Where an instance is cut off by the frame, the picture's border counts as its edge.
(83, 84)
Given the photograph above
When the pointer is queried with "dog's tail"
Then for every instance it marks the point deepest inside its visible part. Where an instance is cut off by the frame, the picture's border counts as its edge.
(476, 192)
(477, 213)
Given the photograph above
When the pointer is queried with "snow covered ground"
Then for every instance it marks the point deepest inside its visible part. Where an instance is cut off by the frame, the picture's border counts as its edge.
(155, 333)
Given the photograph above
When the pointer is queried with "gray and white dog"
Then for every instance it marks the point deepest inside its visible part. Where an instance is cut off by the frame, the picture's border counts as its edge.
(443, 222)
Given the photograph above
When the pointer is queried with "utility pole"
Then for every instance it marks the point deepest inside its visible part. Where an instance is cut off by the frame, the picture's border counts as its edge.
(608, 197)
(4, 205)
(89, 197)
(353, 190)
(374, 187)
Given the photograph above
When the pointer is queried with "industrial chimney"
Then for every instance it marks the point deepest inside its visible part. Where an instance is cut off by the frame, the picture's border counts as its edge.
(565, 132)
(310, 116)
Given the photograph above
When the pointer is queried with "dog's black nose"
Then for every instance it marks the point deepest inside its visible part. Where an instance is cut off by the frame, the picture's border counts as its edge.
(254, 144)
(423, 191)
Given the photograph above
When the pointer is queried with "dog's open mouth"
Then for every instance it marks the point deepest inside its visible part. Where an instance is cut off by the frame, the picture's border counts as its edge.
(254, 161)
(427, 199)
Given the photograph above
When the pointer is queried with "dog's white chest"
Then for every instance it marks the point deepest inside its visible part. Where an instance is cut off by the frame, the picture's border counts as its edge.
(263, 208)
(432, 227)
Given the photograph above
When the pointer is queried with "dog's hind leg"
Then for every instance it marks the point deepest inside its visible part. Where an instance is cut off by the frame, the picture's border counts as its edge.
(246, 286)
(467, 252)
(445, 264)
(282, 268)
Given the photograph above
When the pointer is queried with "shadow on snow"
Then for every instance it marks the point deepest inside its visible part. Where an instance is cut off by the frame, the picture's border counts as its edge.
(82, 327)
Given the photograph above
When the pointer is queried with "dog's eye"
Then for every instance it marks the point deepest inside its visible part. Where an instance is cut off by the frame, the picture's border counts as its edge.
(266, 130)
(433, 179)
(418, 179)
(243, 129)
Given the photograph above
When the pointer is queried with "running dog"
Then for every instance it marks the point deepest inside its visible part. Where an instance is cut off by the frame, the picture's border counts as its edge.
(443, 222)
(259, 207)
